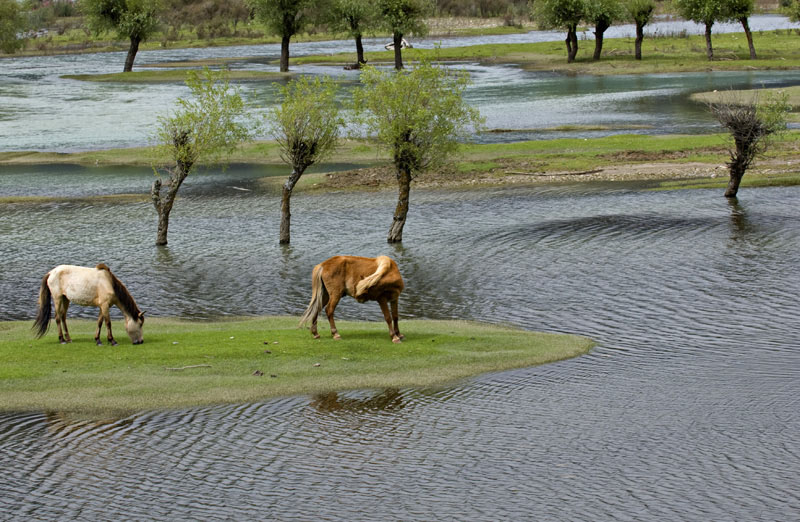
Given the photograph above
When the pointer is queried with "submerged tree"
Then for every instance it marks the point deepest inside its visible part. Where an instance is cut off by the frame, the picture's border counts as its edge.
(602, 13)
(202, 130)
(285, 18)
(418, 115)
(640, 11)
(560, 14)
(751, 125)
(401, 17)
(132, 19)
(352, 17)
(306, 126)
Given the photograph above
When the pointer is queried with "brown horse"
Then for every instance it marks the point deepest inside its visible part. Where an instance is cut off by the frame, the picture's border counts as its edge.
(364, 278)
(87, 287)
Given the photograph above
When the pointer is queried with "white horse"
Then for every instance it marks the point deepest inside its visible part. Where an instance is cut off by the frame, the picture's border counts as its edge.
(87, 287)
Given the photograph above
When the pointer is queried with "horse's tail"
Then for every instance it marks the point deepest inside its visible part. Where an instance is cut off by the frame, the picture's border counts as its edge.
(317, 292)
(126, 301)
(42, 322)
(384, 264)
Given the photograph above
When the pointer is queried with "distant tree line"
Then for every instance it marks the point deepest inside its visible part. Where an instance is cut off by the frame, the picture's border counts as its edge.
(601, 14)
(139, 20)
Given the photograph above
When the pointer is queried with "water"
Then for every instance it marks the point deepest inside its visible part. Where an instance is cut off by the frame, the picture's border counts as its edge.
(39, 110)
(686, 409)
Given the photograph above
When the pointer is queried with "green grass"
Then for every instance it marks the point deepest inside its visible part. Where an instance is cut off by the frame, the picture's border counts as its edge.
(776, 50)
(190, 363)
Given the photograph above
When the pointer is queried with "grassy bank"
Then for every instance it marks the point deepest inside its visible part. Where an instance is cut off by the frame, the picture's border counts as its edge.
(610, 158)
(779, 49)
(184, 364)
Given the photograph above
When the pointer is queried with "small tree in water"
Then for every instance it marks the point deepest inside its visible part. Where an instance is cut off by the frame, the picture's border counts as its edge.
(203, 130)
(751, 125)
(306, 127)
(419, 116)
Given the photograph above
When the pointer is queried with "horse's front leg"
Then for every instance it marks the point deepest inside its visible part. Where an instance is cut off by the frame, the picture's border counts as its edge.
(395, 318)
(102, 317)
(385, 309)
(107, 317)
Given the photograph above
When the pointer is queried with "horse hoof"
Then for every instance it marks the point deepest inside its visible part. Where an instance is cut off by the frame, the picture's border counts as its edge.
(99, 343)
(316, 336)
(337, 337)
(113, 343)
(397, 340)
(63, 342)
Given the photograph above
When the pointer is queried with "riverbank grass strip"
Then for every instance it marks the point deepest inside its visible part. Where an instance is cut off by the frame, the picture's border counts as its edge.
(193, 363)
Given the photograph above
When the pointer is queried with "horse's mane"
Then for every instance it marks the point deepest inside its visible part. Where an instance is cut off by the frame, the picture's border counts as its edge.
(384, 263)
(126, 301)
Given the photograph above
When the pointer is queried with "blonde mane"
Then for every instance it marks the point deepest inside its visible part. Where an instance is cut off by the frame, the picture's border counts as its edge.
(384, 263)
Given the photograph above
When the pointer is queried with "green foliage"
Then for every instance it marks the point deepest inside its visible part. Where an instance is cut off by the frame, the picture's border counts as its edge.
(405, 16)
(737, 9)
(306, 124)
(603, 12)
(640, 11)
(793, 10)
(11, 23)
(135, 19)
(704, 12)
(772, 111)
(206, 126)
(351, 16)
(418, 115)
(283, 17)
(557, 14)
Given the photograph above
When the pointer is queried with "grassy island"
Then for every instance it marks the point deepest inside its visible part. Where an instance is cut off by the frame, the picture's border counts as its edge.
(189, 363)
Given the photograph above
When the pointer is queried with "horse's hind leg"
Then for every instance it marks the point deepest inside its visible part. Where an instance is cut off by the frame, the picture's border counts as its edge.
(334, 300)
(395, 318)
(385, 309)
(325, 298)
(61, 305)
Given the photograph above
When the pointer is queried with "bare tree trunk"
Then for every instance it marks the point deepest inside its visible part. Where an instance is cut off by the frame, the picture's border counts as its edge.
(285, 53)
(572, 44)
(164, 204)
(733, 182)
(709, 48)
(359, 51)
(639, 40)
(132, 50)
(286, 214)
(398, 51)
(401, 211)
(599, 31)
(746, 27)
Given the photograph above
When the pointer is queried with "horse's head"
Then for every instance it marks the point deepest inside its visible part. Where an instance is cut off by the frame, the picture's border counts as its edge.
(133, 325)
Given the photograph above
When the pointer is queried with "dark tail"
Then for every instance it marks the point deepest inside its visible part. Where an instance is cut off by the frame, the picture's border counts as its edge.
(42, 322)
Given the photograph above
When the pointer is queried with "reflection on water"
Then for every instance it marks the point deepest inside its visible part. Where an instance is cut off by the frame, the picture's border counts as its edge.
(686, 409)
